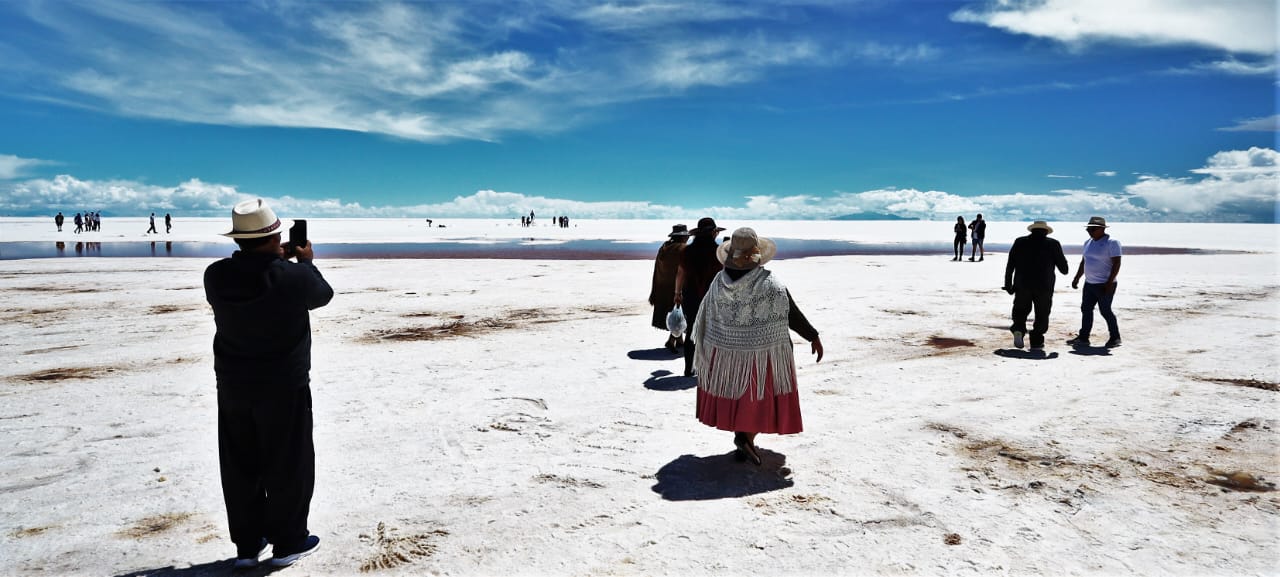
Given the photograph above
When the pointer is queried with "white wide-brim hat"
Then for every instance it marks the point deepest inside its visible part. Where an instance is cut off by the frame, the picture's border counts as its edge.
(746, 250)
(1041, 225)
(254, 219)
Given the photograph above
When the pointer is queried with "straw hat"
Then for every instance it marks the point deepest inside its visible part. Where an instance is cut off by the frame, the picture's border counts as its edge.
(745, 250)
(1096, 221)
(253, 219)
(1040, 225)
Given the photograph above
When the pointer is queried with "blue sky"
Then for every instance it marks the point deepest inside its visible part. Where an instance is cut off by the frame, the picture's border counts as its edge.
(1140, 110)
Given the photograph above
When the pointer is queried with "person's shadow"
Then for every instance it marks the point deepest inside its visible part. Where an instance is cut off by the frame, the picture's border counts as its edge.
(1028, 355)
(223, 567)
(658, 354)
(1091, 351)
(726, 476)
(668, 381)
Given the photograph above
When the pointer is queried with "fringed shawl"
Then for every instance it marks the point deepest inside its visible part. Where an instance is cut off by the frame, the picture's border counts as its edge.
(742, 325)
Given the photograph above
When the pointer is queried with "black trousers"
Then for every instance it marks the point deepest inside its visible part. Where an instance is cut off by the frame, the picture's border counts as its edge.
(1023, 301)
(690, 314)
(268, 466)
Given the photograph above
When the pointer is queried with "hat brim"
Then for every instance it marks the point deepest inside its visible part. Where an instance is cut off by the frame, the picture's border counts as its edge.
(707, 230)
(681, 233)
(768, 249)
(280, 226)
(1046, 228)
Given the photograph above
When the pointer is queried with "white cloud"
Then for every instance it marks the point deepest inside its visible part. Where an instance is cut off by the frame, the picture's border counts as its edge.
(1231, 66)
(1264, 124)
(1061, 176)
(1236, 184)
(1107, 173)
(12, 167)
(426, 71)
(1239, 26)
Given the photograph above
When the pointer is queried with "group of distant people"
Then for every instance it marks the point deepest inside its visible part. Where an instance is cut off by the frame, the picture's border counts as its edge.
(168, 224)
(559, 221)
(88, 222)
(92, 222)
(977, 230)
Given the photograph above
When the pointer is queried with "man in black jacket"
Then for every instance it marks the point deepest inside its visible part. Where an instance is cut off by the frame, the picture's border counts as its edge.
(262, 360)
(1028, 276)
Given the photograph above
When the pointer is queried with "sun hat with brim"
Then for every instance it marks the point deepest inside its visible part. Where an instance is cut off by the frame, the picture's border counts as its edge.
(679, 230)
(746, 250)
(1096, 221)
(1040, 225)
(254, 219)
(707, 226)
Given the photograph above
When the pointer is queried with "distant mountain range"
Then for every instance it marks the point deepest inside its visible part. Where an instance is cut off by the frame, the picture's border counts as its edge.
(871, 216)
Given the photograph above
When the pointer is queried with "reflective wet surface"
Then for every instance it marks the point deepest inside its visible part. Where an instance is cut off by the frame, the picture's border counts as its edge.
(504, 249)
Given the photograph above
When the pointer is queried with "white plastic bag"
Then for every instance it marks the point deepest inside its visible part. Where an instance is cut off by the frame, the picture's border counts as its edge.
(675, 322)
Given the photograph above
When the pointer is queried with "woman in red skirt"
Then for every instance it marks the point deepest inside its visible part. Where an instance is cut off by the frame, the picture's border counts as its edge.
(745, 363)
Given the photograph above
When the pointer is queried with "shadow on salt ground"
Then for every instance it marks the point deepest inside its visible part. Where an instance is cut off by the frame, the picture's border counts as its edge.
(223, 567)
(668, 381)
(1029, 355)
(1091, 351)
(658, 354)
(691, 478)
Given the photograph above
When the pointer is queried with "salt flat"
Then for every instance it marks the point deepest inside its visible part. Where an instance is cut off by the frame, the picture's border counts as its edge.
(482, 417)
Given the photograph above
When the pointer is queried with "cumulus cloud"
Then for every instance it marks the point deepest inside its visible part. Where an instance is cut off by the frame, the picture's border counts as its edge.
(1239, 26)
(12, 167)
(1235, 185)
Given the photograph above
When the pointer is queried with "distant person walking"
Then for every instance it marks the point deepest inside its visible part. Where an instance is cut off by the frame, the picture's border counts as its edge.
(58, 220)
(1028, 276)
(262, 361)
(958, 243)
(978, 232)
(662, 289)
(153, 225)
(168, 223)
(746, 365)
(1099, 264)
(698, 266)
(79, 224)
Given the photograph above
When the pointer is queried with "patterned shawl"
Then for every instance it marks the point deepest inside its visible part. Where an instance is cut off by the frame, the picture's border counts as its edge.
(742, 325)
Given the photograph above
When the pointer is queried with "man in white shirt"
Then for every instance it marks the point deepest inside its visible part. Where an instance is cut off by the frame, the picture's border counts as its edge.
(1099, 264)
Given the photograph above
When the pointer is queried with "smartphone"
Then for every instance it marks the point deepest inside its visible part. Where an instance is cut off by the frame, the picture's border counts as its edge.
(297, 235)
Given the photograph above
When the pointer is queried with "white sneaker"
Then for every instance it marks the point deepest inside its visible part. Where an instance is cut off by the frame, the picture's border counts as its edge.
(1017, 339)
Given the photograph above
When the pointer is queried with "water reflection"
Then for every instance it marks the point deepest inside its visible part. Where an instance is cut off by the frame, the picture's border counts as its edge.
(506, 249)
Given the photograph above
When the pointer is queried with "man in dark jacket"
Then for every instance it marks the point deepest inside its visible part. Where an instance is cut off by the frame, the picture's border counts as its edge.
(262, 360)
(1028, 276)
(698, 266)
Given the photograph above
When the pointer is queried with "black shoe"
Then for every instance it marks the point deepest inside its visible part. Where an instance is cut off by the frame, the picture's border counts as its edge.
(1113, 342)
(970, 259)
(1079, 342)
(749, 451)
(285, 559)
(249, 559)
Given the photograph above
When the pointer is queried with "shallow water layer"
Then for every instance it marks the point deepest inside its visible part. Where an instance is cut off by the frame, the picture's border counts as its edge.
(507, 249)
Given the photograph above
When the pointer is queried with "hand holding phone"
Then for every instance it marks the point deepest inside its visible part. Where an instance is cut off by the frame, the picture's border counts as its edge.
(297, 239)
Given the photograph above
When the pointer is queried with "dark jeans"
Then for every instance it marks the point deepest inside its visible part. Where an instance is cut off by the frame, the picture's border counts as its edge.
(1093, 296)
(1023, 301)
(268, 467)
